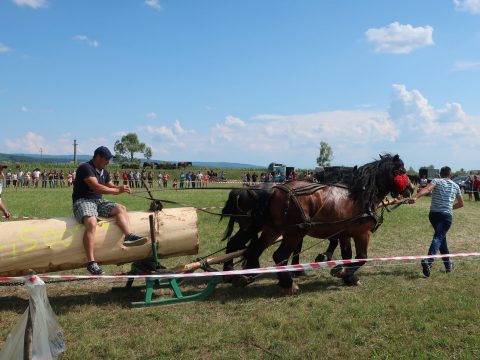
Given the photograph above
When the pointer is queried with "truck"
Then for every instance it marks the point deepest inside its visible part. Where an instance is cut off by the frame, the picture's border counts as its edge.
(429, 173)
(280, 172)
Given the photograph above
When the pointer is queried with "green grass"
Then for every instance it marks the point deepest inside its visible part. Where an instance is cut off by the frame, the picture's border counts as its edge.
(395, 314)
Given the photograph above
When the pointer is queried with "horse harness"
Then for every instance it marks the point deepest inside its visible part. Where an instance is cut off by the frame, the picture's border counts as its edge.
(305, 190)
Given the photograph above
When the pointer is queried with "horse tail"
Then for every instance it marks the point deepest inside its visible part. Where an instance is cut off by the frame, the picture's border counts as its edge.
(229, 210)
(229, 230)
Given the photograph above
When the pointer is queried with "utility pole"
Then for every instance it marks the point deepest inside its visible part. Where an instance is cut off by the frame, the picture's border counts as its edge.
(75, 152)
(41, 154)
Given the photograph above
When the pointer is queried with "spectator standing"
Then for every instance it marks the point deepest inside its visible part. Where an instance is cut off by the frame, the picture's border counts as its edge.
(159, 179)
(116, 178)
(36, 177)
(182, 179)
(6, 213)
(165, 180)
(8, 178)
(469, 187)
(476, 186)
(69, 179)
(150, 179)
(44, 178)
(15, 180)
(446, 197)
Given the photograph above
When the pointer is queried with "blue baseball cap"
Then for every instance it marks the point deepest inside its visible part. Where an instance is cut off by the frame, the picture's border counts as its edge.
(103, 152)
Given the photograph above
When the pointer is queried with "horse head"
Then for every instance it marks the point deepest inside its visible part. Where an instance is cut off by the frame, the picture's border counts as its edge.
(373, 181)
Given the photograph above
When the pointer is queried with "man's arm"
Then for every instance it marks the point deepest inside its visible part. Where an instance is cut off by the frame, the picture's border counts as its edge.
(424, 191)
(108, 189)
(459, 203)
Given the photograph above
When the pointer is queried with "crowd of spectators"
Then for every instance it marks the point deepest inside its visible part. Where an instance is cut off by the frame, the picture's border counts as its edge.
(64, 178)
(54, 178)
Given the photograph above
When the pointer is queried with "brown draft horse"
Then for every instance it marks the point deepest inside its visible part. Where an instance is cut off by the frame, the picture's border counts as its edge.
(296, 209)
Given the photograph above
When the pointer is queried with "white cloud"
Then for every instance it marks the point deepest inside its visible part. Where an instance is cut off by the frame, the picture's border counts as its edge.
(166, 133)
(154, 4)
(399, 39)
(178, 127)
(471, 6)
(4, 48)
(90, 42)
(151, 115)
(234, 121)
(299, 135)
(34, 4)
(419, 120)
(466, 65)
(24, 109)
(30, 143)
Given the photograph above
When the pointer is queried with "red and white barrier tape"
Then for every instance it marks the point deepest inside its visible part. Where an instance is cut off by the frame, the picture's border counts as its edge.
(265, 270)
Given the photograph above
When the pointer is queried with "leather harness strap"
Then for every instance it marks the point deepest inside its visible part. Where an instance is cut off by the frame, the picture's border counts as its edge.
(304, 190)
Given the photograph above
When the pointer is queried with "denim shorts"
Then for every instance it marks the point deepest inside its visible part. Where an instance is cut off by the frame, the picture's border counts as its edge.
(92, 207)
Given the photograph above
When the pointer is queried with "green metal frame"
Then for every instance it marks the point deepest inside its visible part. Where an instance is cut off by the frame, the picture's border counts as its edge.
(173, 284)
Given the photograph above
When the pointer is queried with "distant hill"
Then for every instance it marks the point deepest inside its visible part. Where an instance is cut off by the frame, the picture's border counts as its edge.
(35, 158)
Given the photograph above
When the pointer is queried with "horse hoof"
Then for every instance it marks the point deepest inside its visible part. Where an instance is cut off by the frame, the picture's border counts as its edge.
(292, 291)
(338, 271)
(351, 280)
(321, 258)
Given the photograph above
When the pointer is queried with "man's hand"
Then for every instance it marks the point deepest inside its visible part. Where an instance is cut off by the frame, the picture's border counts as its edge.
(124, 189)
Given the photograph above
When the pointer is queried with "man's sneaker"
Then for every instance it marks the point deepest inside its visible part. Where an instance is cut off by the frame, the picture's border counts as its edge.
(134, 240)
(450, 268)
(94, 269)
(425, 268)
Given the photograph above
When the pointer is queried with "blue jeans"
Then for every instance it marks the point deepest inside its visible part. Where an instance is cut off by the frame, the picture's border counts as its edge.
(441, 223)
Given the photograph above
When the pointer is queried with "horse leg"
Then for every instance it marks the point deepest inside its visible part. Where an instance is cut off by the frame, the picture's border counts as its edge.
(361, 247)
(328, 254)
(296, 260)
(252, 255)
(281, 256)
(346, 251)
(238, 242)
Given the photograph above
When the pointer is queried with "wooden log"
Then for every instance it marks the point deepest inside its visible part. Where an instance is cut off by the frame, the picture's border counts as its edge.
(212, 261)
(56, 244)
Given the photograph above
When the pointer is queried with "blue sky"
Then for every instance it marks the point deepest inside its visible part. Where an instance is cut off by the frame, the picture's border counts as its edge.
(244, 81)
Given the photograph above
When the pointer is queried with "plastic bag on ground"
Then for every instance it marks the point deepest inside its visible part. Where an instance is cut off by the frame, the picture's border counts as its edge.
(47, 339)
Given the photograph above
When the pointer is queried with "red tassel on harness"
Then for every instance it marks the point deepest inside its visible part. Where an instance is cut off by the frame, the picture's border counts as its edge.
(400, 183)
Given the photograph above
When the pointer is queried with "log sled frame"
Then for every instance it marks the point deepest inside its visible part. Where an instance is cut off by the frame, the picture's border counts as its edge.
(152, 266)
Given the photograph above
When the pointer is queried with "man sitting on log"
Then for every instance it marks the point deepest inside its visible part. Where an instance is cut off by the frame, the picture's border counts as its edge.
(91, 181)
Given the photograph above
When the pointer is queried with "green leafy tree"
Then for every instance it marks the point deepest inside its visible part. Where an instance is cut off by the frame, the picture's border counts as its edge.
(326, 154)
(148, 153)
(129, 145)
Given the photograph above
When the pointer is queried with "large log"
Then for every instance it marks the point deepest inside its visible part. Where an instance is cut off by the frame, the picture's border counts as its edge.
(56, 244)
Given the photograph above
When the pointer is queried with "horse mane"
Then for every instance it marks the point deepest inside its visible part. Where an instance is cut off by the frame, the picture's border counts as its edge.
(373, 181)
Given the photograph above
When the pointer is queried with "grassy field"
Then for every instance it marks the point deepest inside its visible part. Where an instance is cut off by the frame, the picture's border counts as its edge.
(395, 314)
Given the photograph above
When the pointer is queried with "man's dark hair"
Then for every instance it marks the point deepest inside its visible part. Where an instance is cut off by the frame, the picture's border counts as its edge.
(445, 171)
